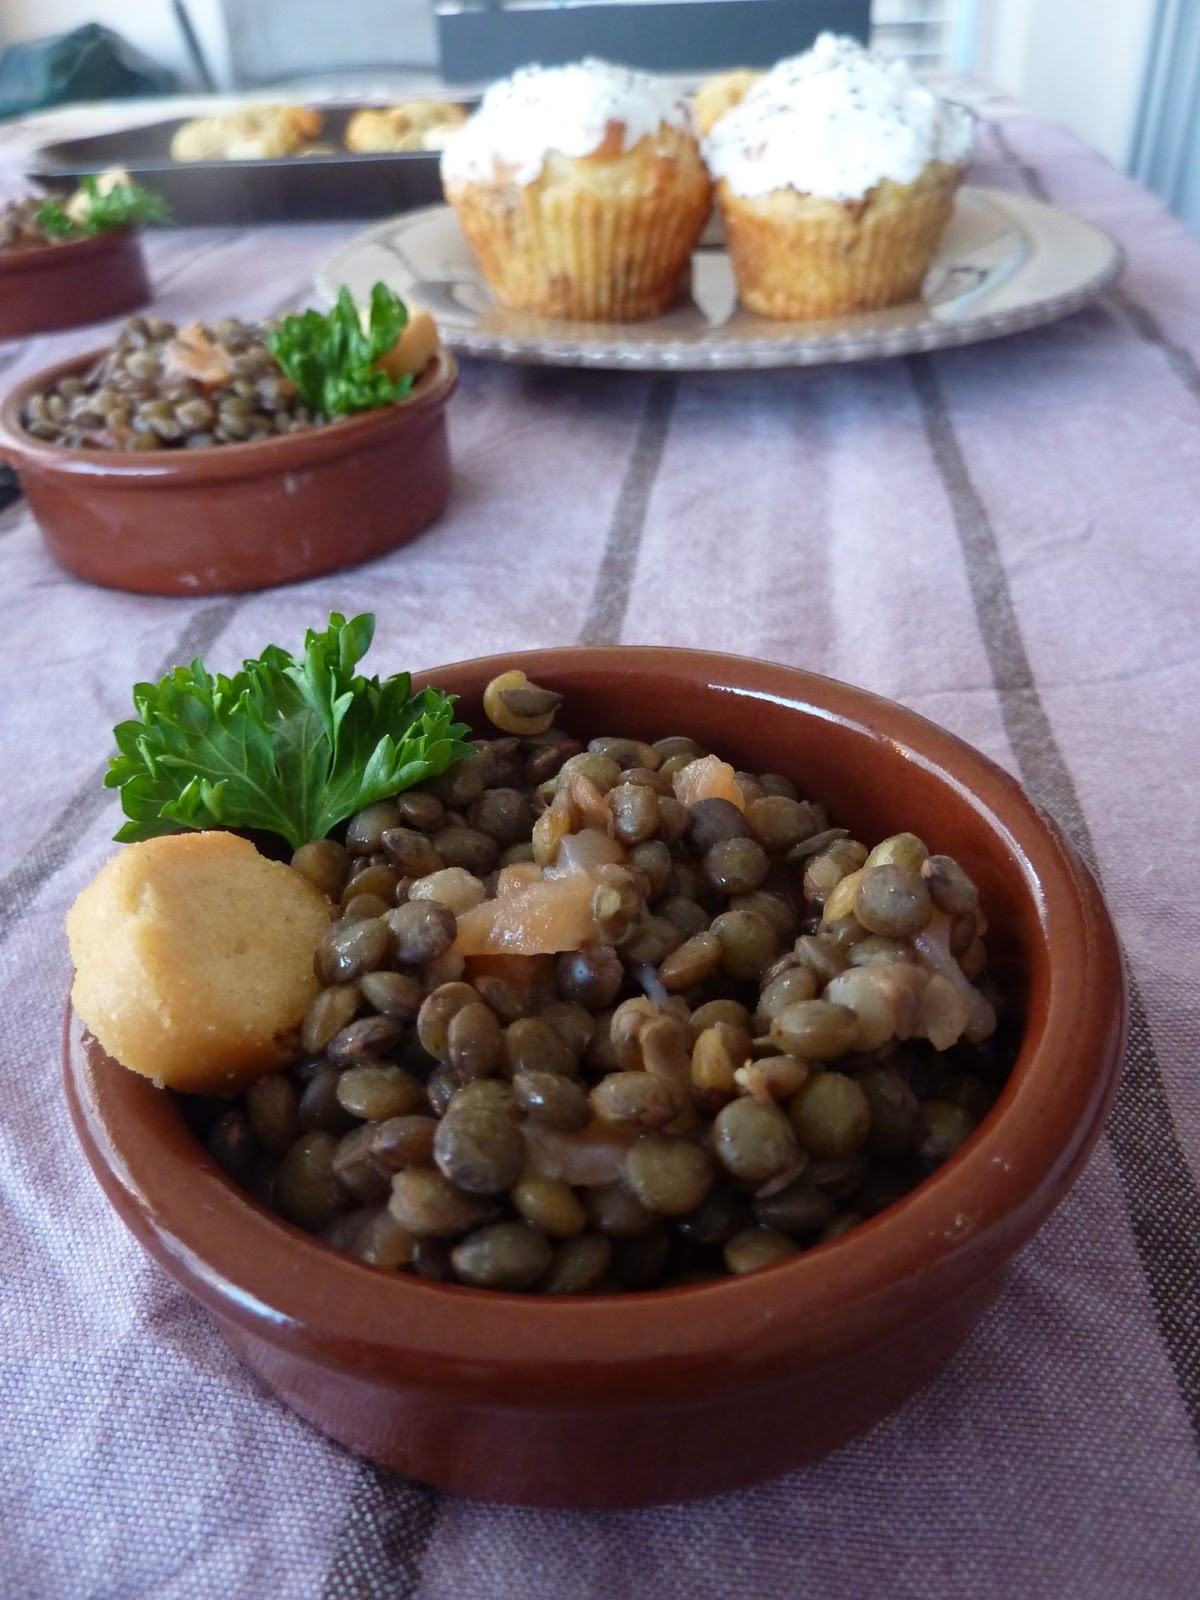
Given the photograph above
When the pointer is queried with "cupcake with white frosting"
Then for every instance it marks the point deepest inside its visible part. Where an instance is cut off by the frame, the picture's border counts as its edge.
(719, 94)
(580, 190)
(836, 176)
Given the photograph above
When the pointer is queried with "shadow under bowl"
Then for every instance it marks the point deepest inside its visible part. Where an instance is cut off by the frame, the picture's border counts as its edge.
(660, 1396)
(232, 517)
(65, 285)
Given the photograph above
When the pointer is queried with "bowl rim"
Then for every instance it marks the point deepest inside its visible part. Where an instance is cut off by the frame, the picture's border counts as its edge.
(168, 468)
(814, 1308)
(43, 257)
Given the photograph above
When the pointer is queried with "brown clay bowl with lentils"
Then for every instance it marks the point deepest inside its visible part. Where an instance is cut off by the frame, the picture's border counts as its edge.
(141, 478)
(46, 285)
(659, 1216)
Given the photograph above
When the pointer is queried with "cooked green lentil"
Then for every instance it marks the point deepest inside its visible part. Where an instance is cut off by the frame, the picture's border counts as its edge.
(775, 1036)
(139, 396)
(21, 227)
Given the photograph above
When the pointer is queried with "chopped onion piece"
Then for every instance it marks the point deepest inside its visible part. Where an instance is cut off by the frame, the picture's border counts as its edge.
(588, 1158)
(584, 852)
(932, 944)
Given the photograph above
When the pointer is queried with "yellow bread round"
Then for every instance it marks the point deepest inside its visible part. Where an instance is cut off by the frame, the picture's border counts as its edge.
(416, 347)
(194, 959)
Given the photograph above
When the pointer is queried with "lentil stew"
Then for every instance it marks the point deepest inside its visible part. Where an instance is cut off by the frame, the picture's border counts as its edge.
(21, 227)
(162, 388)
(613, 1015)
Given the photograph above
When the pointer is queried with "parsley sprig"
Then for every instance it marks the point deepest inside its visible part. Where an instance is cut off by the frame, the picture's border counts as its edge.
(291, 747)
(124, 205)
(331, 359)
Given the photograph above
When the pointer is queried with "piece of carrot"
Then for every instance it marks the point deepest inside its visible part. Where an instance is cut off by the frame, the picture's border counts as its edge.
(707, 778)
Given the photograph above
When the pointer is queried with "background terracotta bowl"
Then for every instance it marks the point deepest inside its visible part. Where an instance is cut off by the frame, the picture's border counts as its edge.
(66, 285)
(657, 1396)
(237, 516)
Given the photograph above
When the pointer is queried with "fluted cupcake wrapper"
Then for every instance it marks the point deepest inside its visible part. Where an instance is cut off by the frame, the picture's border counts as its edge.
(800, 257)
(573, 253)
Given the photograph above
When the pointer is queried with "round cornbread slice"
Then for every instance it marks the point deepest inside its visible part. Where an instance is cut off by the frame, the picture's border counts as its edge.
(194, 959)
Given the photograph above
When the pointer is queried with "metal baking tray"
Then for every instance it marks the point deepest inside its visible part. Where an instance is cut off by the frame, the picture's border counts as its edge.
(283, 189)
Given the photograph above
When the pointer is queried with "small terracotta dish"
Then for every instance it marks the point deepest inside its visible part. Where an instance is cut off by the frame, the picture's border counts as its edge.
(65, 285)
(641, 1398)
(237, 516)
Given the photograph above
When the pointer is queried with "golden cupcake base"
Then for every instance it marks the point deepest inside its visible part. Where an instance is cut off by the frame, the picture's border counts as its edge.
(797, 257)
(597, 238)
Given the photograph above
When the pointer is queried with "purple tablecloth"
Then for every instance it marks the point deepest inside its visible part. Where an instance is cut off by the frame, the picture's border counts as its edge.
(1004, 537)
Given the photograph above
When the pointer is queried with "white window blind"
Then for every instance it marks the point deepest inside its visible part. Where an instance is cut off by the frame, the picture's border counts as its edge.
(929, 34)
(1166, 142)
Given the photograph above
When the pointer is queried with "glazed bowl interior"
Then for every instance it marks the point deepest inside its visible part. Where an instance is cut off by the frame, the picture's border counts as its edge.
(899, 1291)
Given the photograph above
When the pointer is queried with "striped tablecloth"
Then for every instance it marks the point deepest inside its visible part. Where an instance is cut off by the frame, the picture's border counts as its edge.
(1004, 537)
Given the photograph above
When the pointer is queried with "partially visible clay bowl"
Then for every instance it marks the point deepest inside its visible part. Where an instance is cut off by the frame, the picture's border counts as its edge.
(237, 516)
(641, 1398)
(66, 285)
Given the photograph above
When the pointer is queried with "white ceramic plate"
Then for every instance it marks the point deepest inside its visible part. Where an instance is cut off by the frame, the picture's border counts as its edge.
(1005, 263)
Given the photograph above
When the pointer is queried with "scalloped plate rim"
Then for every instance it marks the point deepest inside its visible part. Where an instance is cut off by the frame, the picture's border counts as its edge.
(864, 337)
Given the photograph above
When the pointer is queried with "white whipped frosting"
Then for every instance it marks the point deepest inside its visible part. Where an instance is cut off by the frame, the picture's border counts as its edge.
(833, 122)
(568, 109)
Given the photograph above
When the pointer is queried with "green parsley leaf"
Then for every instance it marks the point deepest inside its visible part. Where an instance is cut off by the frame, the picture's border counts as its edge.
(55, 221)
(331, 359)
(123, 206)
(291, 747)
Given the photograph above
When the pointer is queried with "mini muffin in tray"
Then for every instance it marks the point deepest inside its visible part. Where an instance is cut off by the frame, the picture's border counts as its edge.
(412, 125)
(251, 133)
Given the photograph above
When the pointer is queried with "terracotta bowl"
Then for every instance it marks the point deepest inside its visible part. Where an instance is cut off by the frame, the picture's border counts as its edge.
(237, 516)
(659, 1396)
(66, 285)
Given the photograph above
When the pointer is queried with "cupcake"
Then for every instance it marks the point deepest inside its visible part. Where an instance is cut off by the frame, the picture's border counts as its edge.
(580, 190)
(716, 96)
(836, 175)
